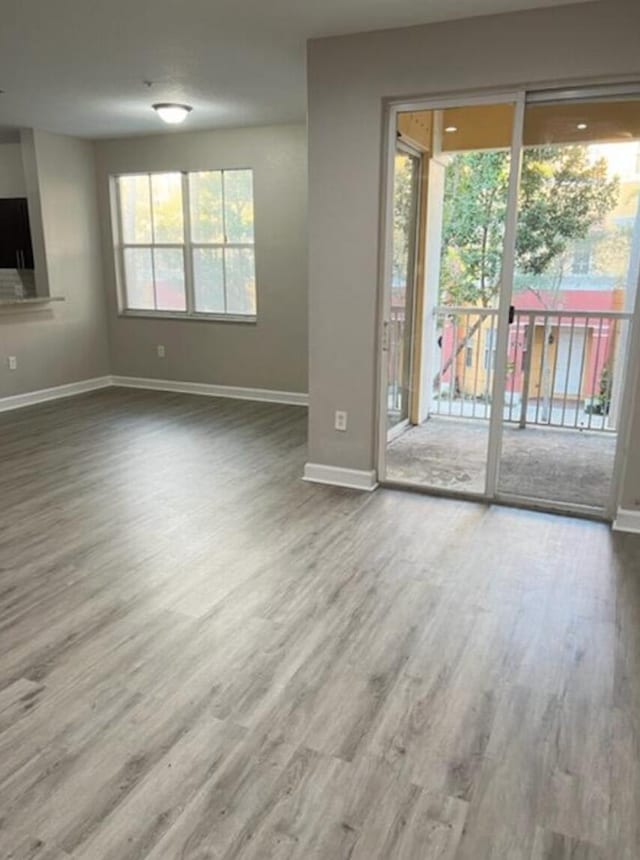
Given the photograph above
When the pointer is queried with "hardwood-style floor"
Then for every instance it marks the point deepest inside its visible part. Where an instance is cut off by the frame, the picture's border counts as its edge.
(202, 656)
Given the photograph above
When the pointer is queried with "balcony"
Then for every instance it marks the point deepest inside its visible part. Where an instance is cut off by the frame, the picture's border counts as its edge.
(563, 391)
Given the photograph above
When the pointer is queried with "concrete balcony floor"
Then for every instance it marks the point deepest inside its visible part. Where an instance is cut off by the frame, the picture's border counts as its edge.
(547, 464)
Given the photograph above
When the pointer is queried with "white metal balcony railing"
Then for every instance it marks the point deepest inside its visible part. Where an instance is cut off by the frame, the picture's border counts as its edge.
(564, 368)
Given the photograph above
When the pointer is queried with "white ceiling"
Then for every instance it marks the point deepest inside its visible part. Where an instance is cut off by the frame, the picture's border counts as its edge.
(77, 66)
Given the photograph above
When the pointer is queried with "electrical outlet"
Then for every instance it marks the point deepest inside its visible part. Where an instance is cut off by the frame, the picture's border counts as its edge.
(12, 361)
(341, 421)
(160, 350)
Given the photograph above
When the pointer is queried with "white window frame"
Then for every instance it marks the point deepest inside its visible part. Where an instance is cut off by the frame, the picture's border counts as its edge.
(490, 349)
(187, 247)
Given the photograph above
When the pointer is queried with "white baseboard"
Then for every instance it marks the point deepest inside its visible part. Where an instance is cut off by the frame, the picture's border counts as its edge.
(16, 401)
(290, 398)
(354, 479)
(627, 521)
(30, 398)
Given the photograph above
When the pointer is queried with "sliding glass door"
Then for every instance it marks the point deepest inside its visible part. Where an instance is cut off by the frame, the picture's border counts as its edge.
(574, 293)
(406, 201)
(461, 240)
(509, 382)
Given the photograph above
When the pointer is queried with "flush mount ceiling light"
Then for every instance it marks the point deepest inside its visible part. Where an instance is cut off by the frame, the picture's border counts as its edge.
(451, 128)
(171, 113)
(582, 126)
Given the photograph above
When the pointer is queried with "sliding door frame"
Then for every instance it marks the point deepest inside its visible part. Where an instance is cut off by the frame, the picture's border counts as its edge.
(412, 279)
(512, 97)
(631, 372)
(520, 98)
(496, 422)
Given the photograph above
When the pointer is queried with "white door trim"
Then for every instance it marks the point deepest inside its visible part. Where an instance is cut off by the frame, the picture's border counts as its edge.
(627, 521)
(555, 91)
(628, 390)
(496, 421)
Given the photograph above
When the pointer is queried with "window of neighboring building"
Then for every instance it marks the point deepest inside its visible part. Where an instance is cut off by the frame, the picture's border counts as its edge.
(490, 349)
(469, 356)
(581, 263)
(186, 243)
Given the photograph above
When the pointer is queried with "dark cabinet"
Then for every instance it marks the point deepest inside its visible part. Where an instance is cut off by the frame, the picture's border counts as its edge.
(16, 251)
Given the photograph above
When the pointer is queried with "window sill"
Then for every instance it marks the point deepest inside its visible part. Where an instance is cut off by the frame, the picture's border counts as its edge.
(186, 317)
(30, 301)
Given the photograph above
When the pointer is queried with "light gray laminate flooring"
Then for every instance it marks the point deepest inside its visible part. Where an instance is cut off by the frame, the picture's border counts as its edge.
(202, 656)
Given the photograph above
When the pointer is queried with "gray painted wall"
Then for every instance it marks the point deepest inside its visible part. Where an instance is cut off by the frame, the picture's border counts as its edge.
(271, 353)
(12, 182)
(348, 78)
(65, 342)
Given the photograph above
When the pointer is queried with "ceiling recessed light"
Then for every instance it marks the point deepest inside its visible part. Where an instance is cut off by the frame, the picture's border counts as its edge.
(451, 128)
(582, 126)
(173, 114)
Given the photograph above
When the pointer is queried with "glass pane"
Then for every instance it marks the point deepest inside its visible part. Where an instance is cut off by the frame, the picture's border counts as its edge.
(135, 209)
(238, 205)
(405, 207)
(208, 276)
(241, 282)
(577, 258)
(138, 273)
(169, 271)
(205, 192)
(460, 238)
(166, 193)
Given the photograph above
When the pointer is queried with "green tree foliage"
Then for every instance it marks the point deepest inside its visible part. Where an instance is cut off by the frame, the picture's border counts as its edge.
(403, 214)
(475, 208)
(562, 195)
(166, 202)
(238, 205)
(207, 220)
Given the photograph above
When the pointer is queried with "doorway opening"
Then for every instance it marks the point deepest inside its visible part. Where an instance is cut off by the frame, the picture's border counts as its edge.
(510, 295)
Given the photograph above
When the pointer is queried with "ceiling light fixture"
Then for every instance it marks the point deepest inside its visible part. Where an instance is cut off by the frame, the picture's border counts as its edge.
(582, 126)
(170, 113)
(451, 128)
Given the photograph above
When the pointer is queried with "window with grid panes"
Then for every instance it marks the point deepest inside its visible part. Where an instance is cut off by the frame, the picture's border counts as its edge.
(186, 243)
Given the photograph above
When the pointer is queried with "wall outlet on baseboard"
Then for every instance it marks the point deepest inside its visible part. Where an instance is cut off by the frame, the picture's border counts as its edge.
(12, 362)
(160, 350)
(340, 422)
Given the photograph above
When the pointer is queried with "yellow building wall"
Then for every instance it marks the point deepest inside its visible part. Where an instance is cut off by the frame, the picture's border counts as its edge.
(477, 379)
